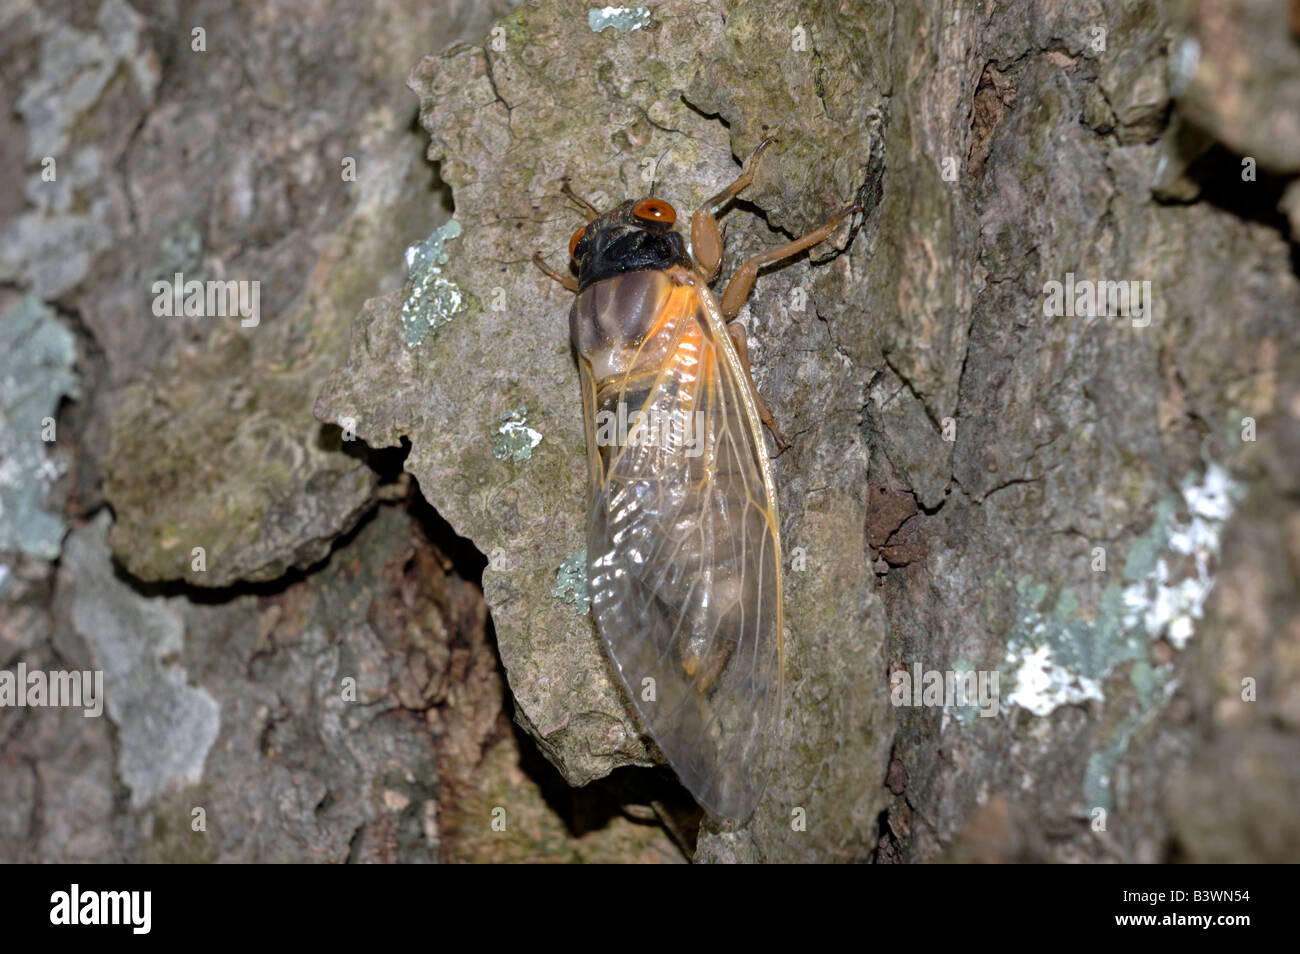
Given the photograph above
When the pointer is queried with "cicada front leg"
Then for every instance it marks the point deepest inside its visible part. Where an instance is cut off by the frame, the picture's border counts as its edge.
(742, 283)
(590, 210)
(706, 244)
(568, 281)
(706, 240)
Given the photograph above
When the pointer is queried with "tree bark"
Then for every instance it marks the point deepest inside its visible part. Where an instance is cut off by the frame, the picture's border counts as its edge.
(1043, 403)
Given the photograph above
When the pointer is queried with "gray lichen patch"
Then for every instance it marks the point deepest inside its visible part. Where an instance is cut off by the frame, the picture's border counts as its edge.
(432, 300)
(37, 358)
(165, 725)
(80, 75)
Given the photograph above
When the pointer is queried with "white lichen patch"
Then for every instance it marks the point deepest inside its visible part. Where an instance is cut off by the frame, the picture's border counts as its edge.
(514, 439)
(1042, 684)
(1060, 655)
(1161, 602)
(432, 299)
(622, 19)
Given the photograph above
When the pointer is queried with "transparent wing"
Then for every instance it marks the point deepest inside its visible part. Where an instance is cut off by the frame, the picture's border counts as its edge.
(684, 553)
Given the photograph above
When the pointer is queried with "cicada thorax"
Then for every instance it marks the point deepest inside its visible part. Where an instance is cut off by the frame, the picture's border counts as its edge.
(675, 505)
(617, 324)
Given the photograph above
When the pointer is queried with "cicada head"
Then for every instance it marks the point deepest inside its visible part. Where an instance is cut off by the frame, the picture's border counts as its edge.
(631, 237)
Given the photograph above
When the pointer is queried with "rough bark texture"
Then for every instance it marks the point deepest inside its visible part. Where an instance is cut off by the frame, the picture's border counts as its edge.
(1100, 510)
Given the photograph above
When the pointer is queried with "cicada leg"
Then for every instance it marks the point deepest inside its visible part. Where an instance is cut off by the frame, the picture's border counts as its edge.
(591, 211)
(568, 281)
(706, 244)
(706, 241)
(742, 283)
(704, 670)
(741, 340)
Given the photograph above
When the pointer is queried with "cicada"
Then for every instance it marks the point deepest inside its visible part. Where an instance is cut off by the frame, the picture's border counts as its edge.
(683, 543)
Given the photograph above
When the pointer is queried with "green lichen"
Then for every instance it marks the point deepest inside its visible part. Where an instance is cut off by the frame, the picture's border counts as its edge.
(37, 355)
(514, 24)
(1152, 685)
(432, 299)
(514, 439)
(181, 251)
(622, 19)
(968, 714)
(1144, 554)
(571, 582)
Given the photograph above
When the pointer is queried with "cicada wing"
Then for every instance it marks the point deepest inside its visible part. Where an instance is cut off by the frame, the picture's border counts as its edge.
(684, 562)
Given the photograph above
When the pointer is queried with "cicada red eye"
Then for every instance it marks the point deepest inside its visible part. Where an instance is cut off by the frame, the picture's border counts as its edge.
(655, 210)
(573, 242)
